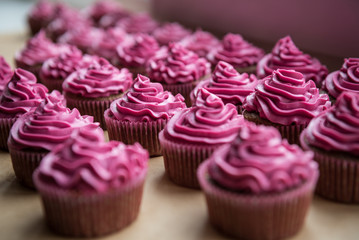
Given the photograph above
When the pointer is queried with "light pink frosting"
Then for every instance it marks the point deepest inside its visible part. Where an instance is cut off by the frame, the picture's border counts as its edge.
(77, 165)
(228, 84)
(286, 98)
(209, 121)
(345, 79)
(177, 65)
(50, 124)
(5, 73)
(258, 161)
(236, 51)
(146, 101)
(42, 11)
(102, 8)
(286, 55)
(83, 37)
(98, 80)
(336, 129)
(138, 23)
(21, 95)
(170, 32)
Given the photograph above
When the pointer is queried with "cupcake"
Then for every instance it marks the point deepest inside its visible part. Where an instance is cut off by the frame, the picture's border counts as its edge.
(134, 54)
(333, 136)
(236, 51)
(286, 55)
(141, 114)
(344, 80)
(228, 84)
(286, 101)
(40, 15)
(90, 187)
(170, 32)
(36, 133)
(21, 95)
(178, 70)
(258, 186)
(192, 135)
(138, 23)
(92, 89)
(5, 73)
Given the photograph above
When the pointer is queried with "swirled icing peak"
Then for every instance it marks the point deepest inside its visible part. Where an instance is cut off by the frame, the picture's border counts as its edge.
(170, 32)
(338, 128)
(345, 79)
(50, 124)
(77, 165)
(146, 101)
(43, 10)
(98, 80)
(285, 98)
(286, 55)
(5, 73)
(179, 65)
(258, 161)
(21, 94)
(138, 23)
(209, 121)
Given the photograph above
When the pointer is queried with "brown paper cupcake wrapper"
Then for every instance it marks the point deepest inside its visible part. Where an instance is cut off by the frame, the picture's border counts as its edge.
(5, 126)
(182, 160)
(52, 84)
(90, 215)
(266, 217)
(184, 89)
(145, 133)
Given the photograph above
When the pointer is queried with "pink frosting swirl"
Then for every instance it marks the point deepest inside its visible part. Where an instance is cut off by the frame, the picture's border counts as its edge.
(170, 32)
(146, 101)
(50, 124)
(5, 73)
(286, 98)
(236, 51)
(136, 53)
(83, 37)
(77, 165)
(345, 79)
(336, 129)
(41, 13)
(200, 42)
(22, 94)
(258, 161)
(179, 65)
(209, 121)
(138, 23)
(286, 55)
(103, 8)
(98, 80)
(228, 84)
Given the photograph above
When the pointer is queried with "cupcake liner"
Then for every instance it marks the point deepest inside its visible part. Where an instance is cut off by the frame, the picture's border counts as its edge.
(262, 217)
(145, 133)
(75, 214)
(52, 84)
(91, 106)
(182, 160)
(24, 163)
(184, 89)
(5, 126)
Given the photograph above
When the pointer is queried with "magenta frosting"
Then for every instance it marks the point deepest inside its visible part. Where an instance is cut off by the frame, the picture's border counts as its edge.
(77, 165)
(286, 55)
(83, 37)
(41, 13)
(103, 8)
(336, 129)
(209, 121)
(50, 124)
(345, 79)
(258, 161)
(98, 80)
(177, 65)
(236, 51)
(138, 23)
(170, 32)
(146, 101)
(286, 98)
(5, 73)
(228, 84)
(22, 94)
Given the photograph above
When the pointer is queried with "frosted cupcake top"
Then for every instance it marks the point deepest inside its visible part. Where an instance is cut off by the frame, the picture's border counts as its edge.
(236, 51)
(170, 32)
(345, 79)
(286, 55)
(102, 8)
(138, 23)
(258, 161)
(22, 94)
(78, 166)
(209, 121)
(98, 80)
(336, 129)
(146, 101)
(177, 65)
(43, 10)
(286, 98)
(50, 124)
(228, 84)
(5, 73)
